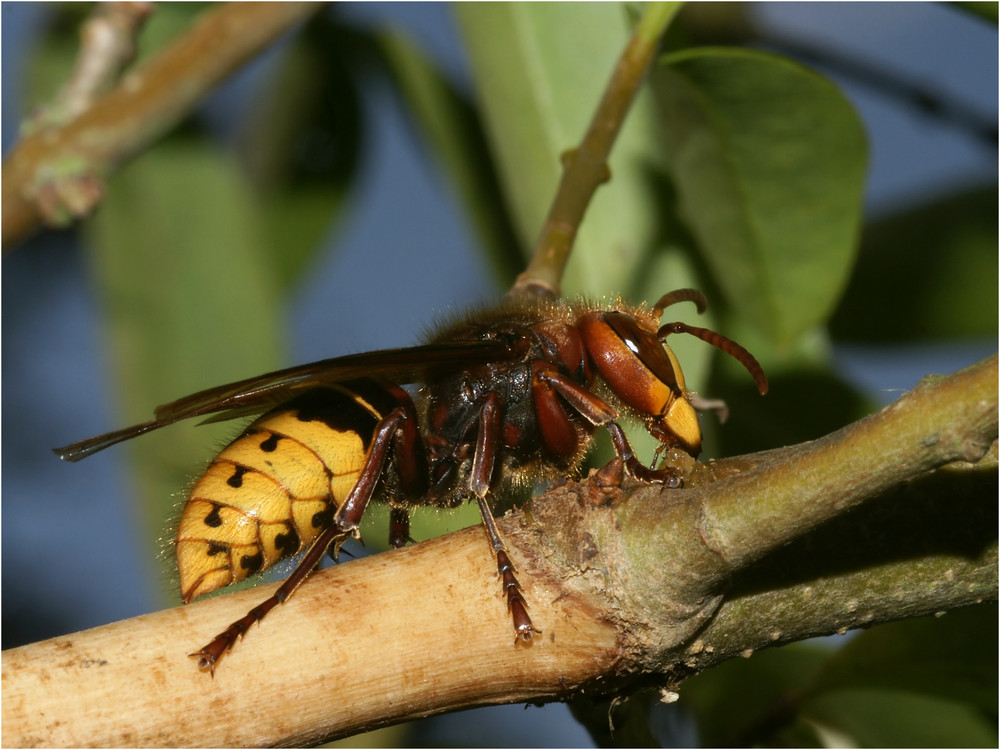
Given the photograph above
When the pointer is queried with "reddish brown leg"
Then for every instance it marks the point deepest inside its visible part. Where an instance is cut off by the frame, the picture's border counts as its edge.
(345, 524)
(487, 445)
(600, 414)
(408, 448)
(223, 643)
(633, 465)
(518, 608)
(399, 527)
(558, 434)
(488, 441)
(595, 410)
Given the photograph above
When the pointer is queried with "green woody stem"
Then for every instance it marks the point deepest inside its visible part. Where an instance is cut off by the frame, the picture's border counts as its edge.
(586, 167)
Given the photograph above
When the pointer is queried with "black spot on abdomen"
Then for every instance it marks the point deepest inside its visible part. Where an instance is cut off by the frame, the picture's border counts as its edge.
(213, 519)
(236, 480)
(287, 543)
(252, 563)
(271, 443)
(323, 519)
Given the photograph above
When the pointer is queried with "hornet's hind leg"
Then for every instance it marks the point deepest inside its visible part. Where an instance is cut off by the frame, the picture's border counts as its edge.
(345, 524)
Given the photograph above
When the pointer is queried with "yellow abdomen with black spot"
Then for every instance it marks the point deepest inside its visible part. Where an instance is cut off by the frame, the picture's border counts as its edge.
(271, 491)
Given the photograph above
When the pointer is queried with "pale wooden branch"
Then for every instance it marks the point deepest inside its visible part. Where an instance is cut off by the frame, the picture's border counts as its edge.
(624, 583)
(58, 171)
(399, 635)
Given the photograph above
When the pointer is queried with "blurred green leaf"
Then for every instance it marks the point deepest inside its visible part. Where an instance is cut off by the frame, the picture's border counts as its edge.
(540, 70)
(52, 59)
(779, 418)
(701, 24)
(769, 160)
(890, 718)
(928, 272)
(742, 702)
(189, 300)
(925, 682)
(986, 11)
(953, 657)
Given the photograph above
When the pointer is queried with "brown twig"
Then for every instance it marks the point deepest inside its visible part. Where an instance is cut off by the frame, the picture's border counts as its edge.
(107, 46)
(54, 175)
(626, 590)
(585, 168)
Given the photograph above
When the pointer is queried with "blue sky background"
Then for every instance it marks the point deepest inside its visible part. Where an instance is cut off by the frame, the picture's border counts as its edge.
(70, 557)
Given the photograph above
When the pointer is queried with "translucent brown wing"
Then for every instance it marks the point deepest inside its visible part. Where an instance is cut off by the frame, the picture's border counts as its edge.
(257, 394)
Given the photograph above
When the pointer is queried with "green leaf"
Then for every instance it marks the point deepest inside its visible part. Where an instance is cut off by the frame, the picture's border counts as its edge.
(929, 681)
(985, 11)
(769, 163)
(926, 273)
(953, 657)
(189, 300)
(889, 718)
(740, 703)
(540, 70)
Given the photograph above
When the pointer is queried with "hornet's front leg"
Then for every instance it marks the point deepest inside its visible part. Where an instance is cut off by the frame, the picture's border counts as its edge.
(600, 414)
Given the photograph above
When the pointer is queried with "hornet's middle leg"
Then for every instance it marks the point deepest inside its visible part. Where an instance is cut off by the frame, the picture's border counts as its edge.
(488, 441)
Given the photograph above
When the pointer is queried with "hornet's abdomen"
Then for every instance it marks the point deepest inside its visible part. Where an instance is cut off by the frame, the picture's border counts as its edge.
(271, 491)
